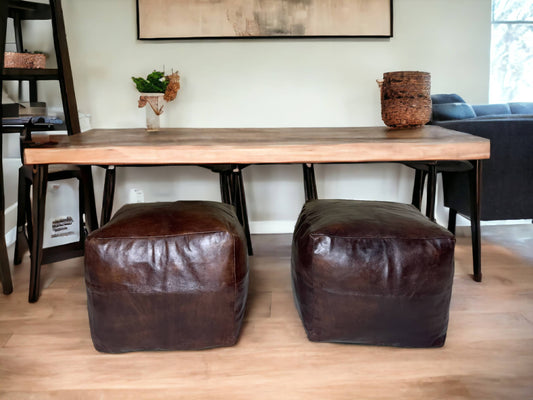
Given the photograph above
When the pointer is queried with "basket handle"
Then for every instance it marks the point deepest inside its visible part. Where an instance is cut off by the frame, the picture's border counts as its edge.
(380, 84)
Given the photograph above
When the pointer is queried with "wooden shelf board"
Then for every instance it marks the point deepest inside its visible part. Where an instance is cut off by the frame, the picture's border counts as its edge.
(29, 74)
(29, 10)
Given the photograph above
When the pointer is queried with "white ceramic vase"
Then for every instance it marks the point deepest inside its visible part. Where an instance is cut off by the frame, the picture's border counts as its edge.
(154, 104)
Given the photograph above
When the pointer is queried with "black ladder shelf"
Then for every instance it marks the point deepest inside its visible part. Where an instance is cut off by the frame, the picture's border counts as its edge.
(20, 10)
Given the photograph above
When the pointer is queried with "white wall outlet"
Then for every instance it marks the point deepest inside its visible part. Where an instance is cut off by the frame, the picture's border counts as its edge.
(136, 196)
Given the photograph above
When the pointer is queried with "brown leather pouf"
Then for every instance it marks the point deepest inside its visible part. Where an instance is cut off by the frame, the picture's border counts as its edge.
(372, 272)
(167, 276)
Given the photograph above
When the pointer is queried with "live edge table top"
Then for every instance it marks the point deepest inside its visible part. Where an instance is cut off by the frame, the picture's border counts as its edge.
(257, 145)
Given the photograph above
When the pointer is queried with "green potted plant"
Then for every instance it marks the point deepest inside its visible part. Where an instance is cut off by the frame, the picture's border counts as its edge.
(156, 89)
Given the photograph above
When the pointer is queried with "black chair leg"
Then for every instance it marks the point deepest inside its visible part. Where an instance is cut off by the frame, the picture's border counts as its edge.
(109, 194)
(40, 179)
(431, 191)
(452, 218)
(474, 178)
(21, 241)
(240, 205)
(89, 203)
(309, 182)
(225, 187)
(81, 207)
(28, 207)
(418, 188)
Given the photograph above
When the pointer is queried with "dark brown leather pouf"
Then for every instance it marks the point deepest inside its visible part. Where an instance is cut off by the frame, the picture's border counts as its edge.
(372, 273)
(167, 276)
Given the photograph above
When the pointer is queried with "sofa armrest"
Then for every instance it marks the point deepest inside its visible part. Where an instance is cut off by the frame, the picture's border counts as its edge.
(510, 133)
(507, 176)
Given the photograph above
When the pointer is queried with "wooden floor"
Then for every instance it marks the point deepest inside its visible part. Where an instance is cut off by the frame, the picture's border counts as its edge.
(46, 350)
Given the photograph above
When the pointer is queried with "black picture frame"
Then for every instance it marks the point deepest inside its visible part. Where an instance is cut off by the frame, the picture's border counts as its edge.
(236, 19)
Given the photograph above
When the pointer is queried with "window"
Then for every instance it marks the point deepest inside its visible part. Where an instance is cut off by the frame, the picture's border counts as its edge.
(511, 69)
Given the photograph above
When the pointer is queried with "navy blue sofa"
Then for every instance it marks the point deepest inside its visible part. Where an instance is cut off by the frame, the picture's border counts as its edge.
(451, 107)
(507, 178)
(506, 191)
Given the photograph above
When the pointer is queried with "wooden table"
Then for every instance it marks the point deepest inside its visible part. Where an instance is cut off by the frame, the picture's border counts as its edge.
(258, 145)
(241, 146)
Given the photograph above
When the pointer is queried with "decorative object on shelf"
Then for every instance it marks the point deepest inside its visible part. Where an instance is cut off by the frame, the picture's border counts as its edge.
(24, 60)
(405, 99)
(156, 90)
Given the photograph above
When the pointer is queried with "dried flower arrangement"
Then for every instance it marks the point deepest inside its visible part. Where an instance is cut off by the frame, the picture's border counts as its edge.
(157, 82)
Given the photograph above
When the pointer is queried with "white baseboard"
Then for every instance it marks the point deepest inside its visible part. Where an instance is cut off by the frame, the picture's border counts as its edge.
(257, 227)
(11, 236)
(270, 227)
(507, 222)
(287, 226)
(464, 229)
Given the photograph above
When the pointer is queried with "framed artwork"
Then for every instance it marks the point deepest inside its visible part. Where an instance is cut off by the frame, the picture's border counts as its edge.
(197, 19)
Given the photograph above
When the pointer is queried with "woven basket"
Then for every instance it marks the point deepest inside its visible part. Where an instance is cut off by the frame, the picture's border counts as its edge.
(405, 99)
(24, 60)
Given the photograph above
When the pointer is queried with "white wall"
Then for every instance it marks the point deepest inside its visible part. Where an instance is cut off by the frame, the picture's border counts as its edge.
(242, 83)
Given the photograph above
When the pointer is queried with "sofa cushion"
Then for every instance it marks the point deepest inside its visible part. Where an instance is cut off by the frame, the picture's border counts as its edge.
(521, 108)
(451, 111)
(491, 109)
(506, 117)
(446, 98)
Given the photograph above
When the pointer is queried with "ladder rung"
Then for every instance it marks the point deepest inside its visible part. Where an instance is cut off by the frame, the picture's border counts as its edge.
(28, 10)
(21, 74)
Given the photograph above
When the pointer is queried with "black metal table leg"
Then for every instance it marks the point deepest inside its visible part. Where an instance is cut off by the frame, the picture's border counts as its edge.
(418, 188)
(432, 190)
(239, 200)
(452, 220)
(109, 194)
(22, 243)
(91, 220)
(40, 178)
(309, 182)
(225, 186)
(474, 179)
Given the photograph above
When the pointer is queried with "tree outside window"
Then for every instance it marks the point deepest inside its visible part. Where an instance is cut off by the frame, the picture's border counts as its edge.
(511, 70)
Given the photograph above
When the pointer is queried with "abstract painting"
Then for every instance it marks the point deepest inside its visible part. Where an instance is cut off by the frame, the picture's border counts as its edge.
(192, 19)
